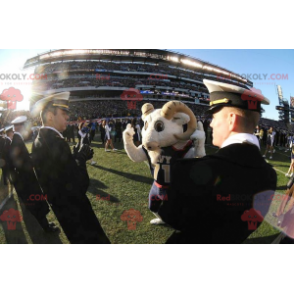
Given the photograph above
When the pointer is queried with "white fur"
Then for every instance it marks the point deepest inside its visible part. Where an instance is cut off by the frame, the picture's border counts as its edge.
(136, 154)
(199, 140)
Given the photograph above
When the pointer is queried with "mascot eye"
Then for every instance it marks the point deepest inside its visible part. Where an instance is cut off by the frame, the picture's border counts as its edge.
(159, 126)
(146, 125)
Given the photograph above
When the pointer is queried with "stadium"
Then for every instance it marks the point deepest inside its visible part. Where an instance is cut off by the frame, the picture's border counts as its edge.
(97, 79)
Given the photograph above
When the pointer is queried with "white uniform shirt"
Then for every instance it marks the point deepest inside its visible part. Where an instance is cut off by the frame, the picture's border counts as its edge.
(46, 127)
(241, 138)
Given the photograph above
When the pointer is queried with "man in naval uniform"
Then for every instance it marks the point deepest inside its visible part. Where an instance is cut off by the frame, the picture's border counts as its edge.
(2, 157)
(23, 176)
(8, 134)
(63, 176)
(222, 198)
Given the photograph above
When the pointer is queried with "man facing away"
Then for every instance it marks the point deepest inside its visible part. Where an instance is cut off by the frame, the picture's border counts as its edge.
(222, 198)
(63, 176)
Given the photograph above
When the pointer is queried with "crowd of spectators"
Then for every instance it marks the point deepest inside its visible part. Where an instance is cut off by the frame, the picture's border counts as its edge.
(110, 66)
(266, 122)
(117, 108)
(111, 80)
(97, 109)
(282, 131)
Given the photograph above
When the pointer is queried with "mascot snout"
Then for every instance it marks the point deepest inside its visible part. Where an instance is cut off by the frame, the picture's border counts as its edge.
(151, 146)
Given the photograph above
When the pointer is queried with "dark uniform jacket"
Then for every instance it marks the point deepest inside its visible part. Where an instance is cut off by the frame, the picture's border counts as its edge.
(65, 183)
(24, 179)
(5, 147)
(3, 159)
(209, 195)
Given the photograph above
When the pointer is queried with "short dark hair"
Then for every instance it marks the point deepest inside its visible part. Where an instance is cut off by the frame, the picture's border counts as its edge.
(249, 119)
(47, 109)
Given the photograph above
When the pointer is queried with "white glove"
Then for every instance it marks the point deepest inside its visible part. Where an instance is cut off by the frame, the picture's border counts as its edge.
(199, 141)
(198, 135)
(128, 133)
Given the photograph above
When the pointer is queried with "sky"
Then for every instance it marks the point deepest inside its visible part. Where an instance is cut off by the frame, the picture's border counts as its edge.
(265, 68)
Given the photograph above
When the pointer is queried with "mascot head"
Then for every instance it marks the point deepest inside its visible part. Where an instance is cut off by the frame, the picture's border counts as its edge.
(174, 123)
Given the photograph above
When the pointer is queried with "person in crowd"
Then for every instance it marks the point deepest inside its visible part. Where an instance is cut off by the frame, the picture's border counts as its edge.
(102, 132)
(259, 134)
(92, 130)
(78, 135)
(291, 168)
(23, 176)
(84, 132)
(278, 137)
(124, 124)
(108, 138)
(72, 133)
(270, 142)
(264, 136)
(118, 130)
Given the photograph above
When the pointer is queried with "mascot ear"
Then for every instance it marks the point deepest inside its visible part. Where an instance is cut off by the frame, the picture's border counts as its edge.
(171, 109)
(181, 118)
(147, 108)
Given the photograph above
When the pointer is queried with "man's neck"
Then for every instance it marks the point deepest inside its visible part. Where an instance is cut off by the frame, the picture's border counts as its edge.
(51, 127)
(238, 137)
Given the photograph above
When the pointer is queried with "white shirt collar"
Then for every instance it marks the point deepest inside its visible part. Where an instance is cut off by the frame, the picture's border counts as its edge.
(19, 135)
(241, 138)
(53, 129)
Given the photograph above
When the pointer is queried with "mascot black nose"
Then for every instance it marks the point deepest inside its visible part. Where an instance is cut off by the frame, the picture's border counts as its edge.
(152, 145)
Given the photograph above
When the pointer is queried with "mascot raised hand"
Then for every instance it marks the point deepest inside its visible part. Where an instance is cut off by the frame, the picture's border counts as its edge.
(167, 135)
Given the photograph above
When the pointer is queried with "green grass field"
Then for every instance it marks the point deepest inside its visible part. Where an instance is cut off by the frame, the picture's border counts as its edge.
(126, 185)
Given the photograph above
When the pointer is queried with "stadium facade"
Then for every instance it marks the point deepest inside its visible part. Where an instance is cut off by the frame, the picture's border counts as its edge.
(104, 74)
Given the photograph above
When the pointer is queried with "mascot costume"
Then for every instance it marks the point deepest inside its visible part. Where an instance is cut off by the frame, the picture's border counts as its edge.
(168, 134)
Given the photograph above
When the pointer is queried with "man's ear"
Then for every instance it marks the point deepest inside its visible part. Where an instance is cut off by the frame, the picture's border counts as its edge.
(234, 121)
